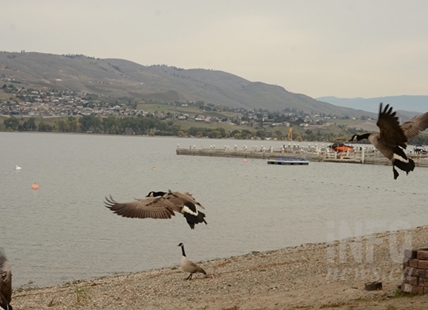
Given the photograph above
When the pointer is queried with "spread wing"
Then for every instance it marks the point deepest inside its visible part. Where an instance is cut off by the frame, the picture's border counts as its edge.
(390, 131)
(5, 278)
(150, 207)
(413, 127)
(179, 198)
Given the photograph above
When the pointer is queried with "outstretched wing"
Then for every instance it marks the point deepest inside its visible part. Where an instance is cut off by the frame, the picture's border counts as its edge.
(390, 131)
(414, 126)
(182, 198)
(150, 207)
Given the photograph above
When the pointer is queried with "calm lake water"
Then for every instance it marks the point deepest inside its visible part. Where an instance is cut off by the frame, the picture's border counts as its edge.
(62, 232)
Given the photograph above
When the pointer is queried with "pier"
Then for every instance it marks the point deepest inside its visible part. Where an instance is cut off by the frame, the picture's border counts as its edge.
(360, 155)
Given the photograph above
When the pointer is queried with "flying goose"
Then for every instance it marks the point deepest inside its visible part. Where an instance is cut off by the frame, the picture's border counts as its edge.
(392, 139)
(189, 266)
(5, 283)
(161, 206)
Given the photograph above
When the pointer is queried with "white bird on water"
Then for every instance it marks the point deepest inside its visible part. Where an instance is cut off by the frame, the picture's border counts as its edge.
(17, 167)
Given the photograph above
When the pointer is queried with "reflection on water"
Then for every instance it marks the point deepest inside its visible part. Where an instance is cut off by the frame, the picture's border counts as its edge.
(62, 231)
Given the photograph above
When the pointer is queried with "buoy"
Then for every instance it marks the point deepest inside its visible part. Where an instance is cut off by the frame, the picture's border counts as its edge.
(17, 167)
(244, 160)
(35, 186)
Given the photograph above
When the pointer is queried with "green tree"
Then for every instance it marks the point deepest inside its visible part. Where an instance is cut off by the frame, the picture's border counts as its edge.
(29, 124)
(72, 124)
(261, 134)
(246, 134)
(90, 123)
(11, 123)
(63, 126)
(45, 127)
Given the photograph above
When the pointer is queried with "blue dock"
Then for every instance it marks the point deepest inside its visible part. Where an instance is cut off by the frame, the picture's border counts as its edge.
(288, 161)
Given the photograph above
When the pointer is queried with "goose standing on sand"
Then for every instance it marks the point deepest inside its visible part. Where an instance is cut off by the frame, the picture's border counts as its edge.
(160, 205)
(393, 137)
(189, 266)
(5, 283)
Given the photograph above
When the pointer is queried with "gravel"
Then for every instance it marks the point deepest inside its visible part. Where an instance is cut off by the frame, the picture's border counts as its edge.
(311, 276)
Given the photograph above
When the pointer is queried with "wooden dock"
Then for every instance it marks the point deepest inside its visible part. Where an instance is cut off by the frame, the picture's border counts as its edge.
(364, 155)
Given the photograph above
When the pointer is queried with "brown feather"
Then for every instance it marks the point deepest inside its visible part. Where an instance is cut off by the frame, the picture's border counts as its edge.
(390, 131)
(143, 208)
(152, 207)
(413, 127)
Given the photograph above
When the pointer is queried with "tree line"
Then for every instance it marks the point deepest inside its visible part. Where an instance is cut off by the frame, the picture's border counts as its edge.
(154, 127)
(114, 125)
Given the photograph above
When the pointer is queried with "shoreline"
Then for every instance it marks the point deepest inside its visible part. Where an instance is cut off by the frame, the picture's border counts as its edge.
(328, 275)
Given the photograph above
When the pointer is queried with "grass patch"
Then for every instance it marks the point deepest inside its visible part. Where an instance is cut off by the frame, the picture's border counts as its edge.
(400, 294)
(81, 293)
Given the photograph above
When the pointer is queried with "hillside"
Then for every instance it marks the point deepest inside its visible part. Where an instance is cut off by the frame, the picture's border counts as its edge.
(404, 104)
(117, 78)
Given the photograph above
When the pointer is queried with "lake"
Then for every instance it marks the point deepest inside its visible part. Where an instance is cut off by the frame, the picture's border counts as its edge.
(62, 232)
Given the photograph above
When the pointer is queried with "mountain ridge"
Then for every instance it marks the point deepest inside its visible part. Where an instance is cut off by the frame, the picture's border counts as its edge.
(116, 78)
(406, 104)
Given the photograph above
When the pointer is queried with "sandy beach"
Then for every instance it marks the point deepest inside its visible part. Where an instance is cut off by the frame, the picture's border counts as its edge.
(311, 276)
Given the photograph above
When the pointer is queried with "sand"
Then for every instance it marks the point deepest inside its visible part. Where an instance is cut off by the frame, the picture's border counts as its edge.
(311, 276)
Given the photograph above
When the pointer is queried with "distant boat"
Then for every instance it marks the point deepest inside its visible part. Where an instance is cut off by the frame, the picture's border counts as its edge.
(17, 167)
(340, 147)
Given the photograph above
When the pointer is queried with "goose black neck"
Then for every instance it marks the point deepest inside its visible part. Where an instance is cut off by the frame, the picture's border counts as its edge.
(363, 136)
(4, 304)
(182, 250)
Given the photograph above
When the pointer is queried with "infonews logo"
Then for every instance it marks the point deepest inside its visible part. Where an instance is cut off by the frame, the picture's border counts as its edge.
(357, 250)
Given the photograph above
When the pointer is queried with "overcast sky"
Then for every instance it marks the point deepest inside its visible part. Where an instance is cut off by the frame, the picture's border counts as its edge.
(361, 48)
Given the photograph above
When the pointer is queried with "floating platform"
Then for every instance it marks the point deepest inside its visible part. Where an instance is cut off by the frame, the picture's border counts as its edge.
(360, 155)
(288, 161)
(249, 154)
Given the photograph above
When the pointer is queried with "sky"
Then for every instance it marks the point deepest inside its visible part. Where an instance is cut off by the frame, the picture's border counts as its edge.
(342, 48)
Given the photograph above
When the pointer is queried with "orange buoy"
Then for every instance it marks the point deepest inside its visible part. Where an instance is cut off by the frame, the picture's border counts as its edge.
(244, 160)
(35, 186)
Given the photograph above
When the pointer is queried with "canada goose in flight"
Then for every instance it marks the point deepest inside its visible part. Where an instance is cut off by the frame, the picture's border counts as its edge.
(160, 207)
(5, 283)
(392, 139)
(189, 266)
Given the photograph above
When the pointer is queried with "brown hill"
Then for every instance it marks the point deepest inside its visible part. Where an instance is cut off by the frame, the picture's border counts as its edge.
(118, 78)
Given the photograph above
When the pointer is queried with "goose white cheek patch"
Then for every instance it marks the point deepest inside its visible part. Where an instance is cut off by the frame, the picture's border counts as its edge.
(400, 158)
(187, 210)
